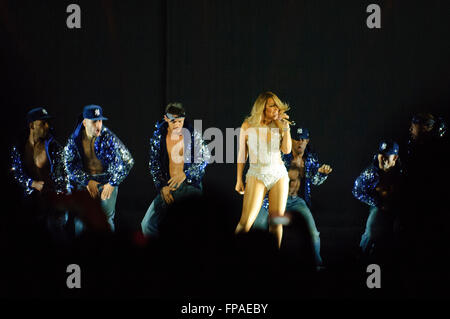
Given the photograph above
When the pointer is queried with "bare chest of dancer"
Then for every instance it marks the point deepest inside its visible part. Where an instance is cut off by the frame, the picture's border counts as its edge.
(37, 162)
(296, 173)
(175, 149)
(91, 163)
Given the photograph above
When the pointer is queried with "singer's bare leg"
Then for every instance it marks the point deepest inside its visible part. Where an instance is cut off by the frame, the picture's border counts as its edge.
(253, 197)
(277, 205)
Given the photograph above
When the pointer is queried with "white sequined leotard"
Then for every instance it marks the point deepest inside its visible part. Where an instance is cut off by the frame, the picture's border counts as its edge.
(264, 155)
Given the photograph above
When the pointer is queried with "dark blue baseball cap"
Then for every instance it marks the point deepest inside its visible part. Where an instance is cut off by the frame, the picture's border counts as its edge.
(388, 148)
(93, 112)
(299, 133)
(38, 113)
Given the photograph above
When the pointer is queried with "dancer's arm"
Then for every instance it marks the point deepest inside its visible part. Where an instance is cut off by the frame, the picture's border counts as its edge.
(364, 187)
(155, 164)
(19, 174)
(317, 173)
(196, 169)
(59, 174)
(120, 157)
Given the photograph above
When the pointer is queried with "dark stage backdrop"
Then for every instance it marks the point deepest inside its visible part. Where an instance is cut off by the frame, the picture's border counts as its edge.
(350, 85)
(116, 60)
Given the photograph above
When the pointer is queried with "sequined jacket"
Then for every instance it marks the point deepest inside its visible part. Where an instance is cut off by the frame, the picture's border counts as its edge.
(112, 153)
(367, 181)
(312, 175)
(195, 160)
(55, 157)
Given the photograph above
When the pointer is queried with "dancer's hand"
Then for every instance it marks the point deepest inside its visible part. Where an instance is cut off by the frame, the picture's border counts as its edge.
(92, 188)
(240, 187)
(176, 180)
(167, 195)
(325, 169)
(39, 185)
(107, 191)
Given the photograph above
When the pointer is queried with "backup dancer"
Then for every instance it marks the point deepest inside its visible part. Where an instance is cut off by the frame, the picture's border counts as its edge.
(378, 186)
(37, 167)
(95, 159)
(178, 159)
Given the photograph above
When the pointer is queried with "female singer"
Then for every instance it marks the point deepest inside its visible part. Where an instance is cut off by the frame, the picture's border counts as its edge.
(263, 134)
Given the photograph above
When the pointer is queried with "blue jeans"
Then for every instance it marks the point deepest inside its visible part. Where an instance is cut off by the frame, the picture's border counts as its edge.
(158, 208)
(109, 205)
(379, 228)
(108, 208)
(295, 204)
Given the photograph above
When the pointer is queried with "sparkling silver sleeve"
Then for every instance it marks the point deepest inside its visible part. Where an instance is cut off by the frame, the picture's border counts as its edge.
(18, 172)
(154, 163)
(118, 158)
(196, 170)
(313, 171)
(364, 187)
(59, 175)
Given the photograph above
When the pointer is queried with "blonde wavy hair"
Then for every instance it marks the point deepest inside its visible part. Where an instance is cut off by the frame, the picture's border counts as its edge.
(257, 113)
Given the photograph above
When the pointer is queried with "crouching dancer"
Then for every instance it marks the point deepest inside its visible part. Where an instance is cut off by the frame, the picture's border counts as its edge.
(95, 159)
(37, 167)
(178, 158)
(378, 186)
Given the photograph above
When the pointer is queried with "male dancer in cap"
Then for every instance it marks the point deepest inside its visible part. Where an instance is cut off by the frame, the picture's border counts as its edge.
(178, 158)
(95, 159)
(377, 186)
(304, 170)
(423, 226)
(37, 166)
